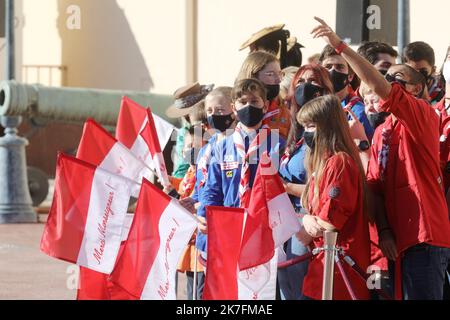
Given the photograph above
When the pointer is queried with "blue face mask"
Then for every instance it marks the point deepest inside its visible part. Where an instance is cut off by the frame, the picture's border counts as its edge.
(250, 116)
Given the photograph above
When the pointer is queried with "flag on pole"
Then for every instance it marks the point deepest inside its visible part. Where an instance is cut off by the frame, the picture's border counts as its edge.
(86, 219)
(223, 279)
(160, 231)
(101, 149)
(224, 243)
(145, 134)
(93, 285)
(271, 219)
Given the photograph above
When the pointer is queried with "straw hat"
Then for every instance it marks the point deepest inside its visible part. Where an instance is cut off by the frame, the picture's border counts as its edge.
(187, 98)
(291, 43)
(261, 33)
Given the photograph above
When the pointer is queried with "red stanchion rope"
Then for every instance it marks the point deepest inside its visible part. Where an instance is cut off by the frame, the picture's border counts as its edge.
(294, 261)
(345, 277)
(364, 277)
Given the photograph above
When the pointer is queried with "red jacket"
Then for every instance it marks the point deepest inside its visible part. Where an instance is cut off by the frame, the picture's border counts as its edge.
(444, 141)
(405, 169)
(340, 203)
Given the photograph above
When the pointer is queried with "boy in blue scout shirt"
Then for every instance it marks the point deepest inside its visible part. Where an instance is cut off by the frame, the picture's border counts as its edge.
(220, 118)
(226, 179)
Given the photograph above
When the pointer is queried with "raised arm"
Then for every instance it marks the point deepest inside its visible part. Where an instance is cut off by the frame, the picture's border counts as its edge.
(365, 71)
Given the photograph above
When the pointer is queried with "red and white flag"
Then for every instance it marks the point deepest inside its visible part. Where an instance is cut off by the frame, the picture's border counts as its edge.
(93, 285)
(160, 231)
(86, 219)
(145, 134)
(101, 149)
(271, 219)
(223, 279)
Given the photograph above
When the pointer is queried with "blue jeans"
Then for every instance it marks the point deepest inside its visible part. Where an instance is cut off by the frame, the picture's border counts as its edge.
(424, 269)
(291, 278)
(190, 284)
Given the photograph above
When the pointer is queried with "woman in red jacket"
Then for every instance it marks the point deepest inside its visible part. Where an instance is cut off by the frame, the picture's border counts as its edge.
(334, 196)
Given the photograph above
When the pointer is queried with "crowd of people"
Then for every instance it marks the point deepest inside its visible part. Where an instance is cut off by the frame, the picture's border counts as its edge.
(361, 146)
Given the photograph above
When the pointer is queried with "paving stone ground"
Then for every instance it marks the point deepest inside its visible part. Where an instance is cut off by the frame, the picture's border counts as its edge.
(28, 274)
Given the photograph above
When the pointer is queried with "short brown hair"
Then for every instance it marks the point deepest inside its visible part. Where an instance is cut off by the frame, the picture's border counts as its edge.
(244, 86)
(419, 50)
(370, 50)
(329, 51)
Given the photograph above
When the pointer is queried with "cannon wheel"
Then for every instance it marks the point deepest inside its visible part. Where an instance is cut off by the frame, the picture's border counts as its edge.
(38, 185)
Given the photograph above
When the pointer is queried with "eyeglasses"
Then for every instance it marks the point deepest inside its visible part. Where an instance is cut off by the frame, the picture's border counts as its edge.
(272, 74)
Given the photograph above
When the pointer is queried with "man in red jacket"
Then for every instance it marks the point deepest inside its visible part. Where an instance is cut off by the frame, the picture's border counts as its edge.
(443, 107)
(405, 174)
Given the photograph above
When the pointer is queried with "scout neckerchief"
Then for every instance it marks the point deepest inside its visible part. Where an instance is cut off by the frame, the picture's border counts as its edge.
(188, 183)
(244, 185)
(203, 163)
(274, 109)
(436, 92)
(287, 156)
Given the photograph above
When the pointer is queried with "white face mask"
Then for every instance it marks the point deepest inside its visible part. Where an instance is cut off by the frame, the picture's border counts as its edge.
(446, 71)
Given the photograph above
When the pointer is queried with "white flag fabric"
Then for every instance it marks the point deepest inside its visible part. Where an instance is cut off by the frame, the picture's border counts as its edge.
(101, 149)
(160, 231)
(85, 223)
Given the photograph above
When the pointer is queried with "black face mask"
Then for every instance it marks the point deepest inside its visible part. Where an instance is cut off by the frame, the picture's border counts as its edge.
(427, 76)
(250, 116)
(339, 80)
(299, 132)
(307, 91)
(221, 123)
(310, 139)
(273, 90)
(377, 119)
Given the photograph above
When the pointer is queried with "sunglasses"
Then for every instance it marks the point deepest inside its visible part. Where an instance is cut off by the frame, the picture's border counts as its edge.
(391, 78)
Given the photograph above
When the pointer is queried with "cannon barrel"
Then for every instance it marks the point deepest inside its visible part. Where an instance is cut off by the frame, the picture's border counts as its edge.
(74, 104)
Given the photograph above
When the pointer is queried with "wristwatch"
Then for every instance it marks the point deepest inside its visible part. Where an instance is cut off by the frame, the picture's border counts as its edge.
(363, 145)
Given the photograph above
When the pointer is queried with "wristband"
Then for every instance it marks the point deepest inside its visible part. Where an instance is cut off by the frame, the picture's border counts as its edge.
(341, 47)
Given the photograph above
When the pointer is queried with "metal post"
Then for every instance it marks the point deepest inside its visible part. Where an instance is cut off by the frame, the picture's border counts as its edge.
(194, 286)
(10, 39)
(402, 26)
(329, 238)
(15, 199)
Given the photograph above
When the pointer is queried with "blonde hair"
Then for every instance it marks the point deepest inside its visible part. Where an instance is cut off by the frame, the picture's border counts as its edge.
(254, 63)
(332, 137)
(223, 92)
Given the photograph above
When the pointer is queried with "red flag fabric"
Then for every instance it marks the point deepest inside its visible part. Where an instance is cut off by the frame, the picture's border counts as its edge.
(223, 280)
(271, 219)
(86, 219)
(160, 232)
(94, 285)
(101, 149)
(224, 243)
(145, 134)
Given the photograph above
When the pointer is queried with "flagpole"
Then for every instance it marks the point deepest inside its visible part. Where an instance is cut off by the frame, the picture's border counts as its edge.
(194, 287)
